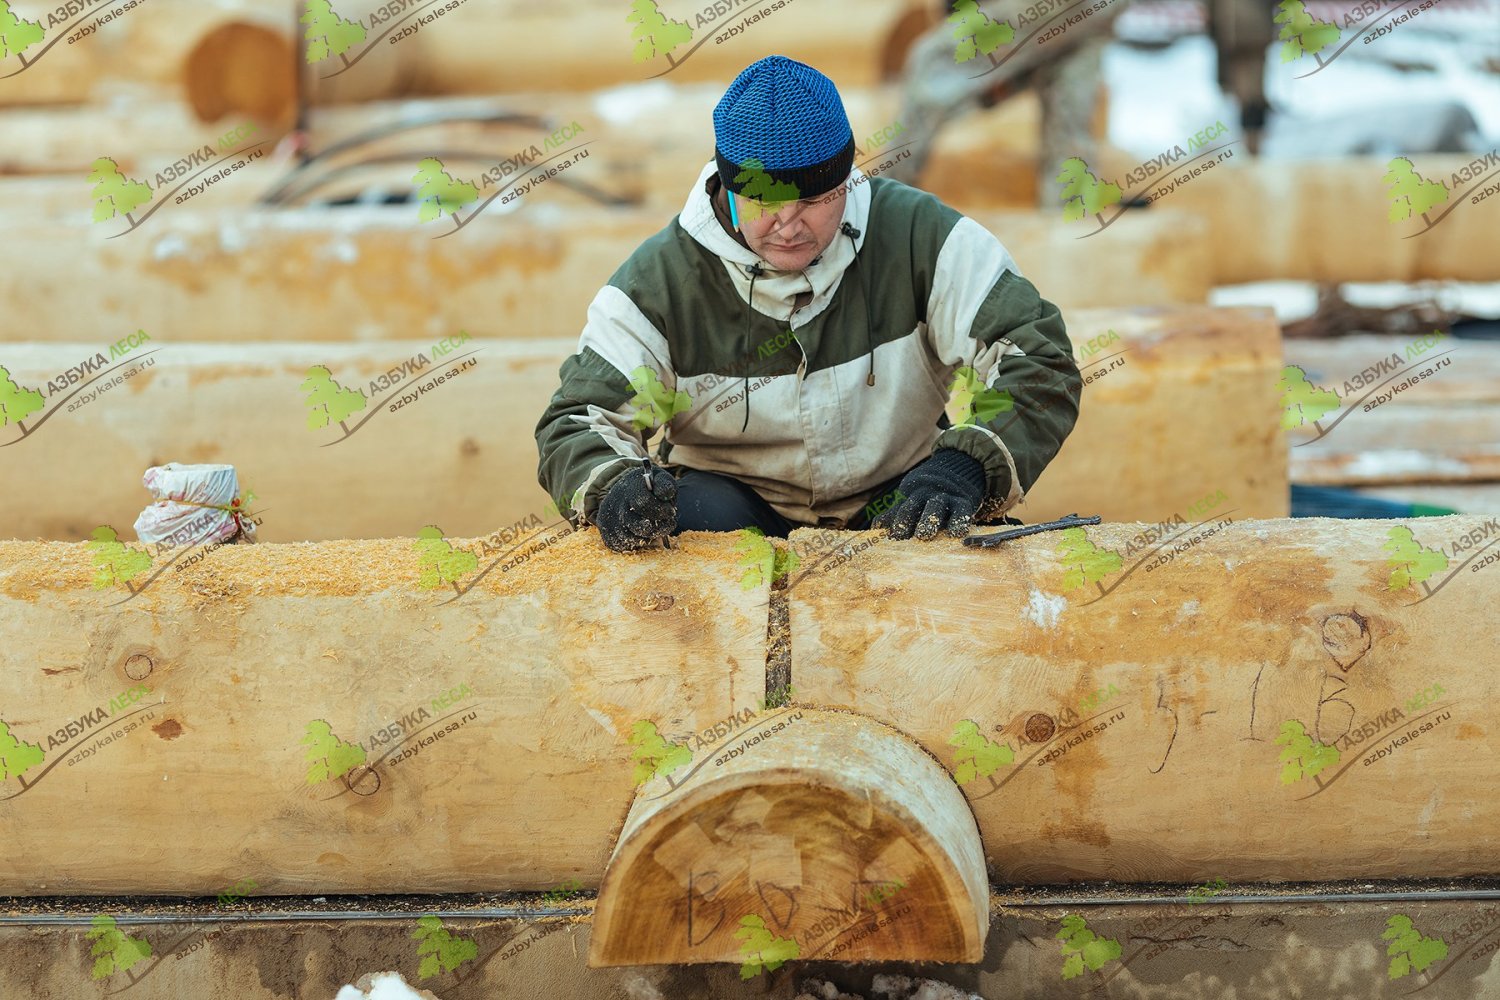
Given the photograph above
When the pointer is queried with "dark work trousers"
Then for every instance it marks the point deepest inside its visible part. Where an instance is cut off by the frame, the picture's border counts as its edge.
(709, 501)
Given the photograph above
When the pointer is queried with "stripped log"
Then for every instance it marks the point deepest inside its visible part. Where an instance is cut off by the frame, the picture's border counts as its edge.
(202, 52)
(1393, 410)
(1455, 443)
(470, 436)
(1312, 676)
(232, 56)
(418, 745)
(1191, 381)
(1234, 940)
(377, 274)
(836, 839)
(1269, 219)
(1131, 456)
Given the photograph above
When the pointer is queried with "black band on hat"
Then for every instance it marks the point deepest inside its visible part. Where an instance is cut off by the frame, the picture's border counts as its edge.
(810, 181)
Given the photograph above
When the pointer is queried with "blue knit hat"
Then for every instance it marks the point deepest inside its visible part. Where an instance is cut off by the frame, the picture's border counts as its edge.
(783, 120)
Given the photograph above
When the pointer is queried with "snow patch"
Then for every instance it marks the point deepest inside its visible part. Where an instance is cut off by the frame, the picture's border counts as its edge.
(624, 105)
(1291, 300)
(345, 251)
(232, 239)
(383, 986)
(169, 246)
(1399, 462)
(1044, 609)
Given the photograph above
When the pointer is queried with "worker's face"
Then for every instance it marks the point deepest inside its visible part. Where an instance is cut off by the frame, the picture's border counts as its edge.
(788, 235)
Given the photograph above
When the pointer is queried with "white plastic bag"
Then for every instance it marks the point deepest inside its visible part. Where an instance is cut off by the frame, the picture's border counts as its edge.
(196, 505)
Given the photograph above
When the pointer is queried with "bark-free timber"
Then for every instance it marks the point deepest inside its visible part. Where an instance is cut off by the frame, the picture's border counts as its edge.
(1422, 409)
(378, 274)
(1315, 687)
(458, 454)
(1268, 219)
(1193, 382)
(290, 693)
(461, 454)
(831, 834)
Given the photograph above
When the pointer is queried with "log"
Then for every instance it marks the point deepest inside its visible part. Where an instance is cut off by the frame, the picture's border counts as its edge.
(1314, 941)
(230, 57)
(1268, 219)
(1145, 370)
(1447, 443)
(243, 53)
(1472, 377)
(217, 688)
(375, 273)
(472, 439)
(1421, 410)
(840, 840)
(1305, 675)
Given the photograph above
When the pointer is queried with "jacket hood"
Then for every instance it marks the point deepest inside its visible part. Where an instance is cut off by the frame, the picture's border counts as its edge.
(775, 290)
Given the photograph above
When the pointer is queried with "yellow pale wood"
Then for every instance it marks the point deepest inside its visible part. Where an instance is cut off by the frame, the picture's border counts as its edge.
(803, 834)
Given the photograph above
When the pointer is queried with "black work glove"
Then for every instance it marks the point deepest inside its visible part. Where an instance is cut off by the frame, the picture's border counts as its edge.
(635, 513)
(945, 491)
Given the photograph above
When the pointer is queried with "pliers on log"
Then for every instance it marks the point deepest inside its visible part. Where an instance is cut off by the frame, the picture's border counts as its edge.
(994, 539)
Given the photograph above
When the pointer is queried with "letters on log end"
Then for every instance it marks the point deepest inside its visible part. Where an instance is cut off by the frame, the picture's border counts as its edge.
(814, 835)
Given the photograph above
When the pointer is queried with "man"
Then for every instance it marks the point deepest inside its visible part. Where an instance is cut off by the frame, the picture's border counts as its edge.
(796, 329)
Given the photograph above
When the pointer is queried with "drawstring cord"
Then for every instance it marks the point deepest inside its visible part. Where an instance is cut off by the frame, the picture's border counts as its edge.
(853, 235)
(754, 270)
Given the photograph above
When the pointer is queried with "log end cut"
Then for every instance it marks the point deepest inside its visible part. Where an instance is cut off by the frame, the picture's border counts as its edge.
(811, 835)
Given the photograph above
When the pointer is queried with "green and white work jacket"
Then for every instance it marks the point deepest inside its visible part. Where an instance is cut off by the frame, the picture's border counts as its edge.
(813, 387)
